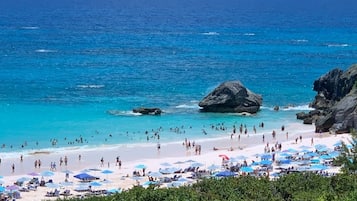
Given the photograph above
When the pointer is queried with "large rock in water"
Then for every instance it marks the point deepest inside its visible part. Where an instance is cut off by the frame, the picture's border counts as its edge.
(336, 101)
(231, 97)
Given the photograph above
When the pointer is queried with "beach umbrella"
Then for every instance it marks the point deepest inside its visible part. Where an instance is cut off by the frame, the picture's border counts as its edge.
(247, 169)
(82, 188)
(12, 188)
(114, 190)
(155, 174)
(66, 183)
(95, 184)
(47, 173)
(325, 157)
(23, 179)
(165, 164)
(140, 166)
(265, 156)
(285, 154)
(179, 162)
(169, 170)
(223, 156)
(266, 162)
(107, 172)
(2, 189)
(52, 185)
(94, 169)
(197, 164)
(34, 174)
(319, 146)
(225, 174)
(317, 167)
(84, 176)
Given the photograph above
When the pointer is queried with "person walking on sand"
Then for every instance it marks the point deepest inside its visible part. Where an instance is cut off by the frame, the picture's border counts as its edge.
(13, 168)
(65, 160)
(102, 162)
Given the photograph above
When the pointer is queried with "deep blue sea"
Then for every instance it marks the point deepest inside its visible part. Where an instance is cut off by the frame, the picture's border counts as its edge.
(65, 63)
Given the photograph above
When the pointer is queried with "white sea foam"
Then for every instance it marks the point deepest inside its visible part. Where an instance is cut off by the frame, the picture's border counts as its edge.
(249, 34)
(123, 113)
(298, 107)
(211, 33)
(30, 27)
(185, 106)
(290, 107)
(95, 86)
(44, 50)
(301, 40)
(338, 45)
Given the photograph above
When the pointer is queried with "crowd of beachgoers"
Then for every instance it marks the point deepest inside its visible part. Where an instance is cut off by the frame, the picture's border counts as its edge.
(107, 170)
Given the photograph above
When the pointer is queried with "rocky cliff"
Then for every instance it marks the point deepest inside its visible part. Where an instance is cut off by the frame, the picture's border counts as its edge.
(335, 102)
(232, 97)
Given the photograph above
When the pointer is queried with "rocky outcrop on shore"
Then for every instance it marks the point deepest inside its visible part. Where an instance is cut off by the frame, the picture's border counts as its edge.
(231, 97)
(335, 103)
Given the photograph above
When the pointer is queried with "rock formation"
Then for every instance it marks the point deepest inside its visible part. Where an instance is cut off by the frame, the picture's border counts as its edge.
(232, 97)
(152, 111)
(335, 103)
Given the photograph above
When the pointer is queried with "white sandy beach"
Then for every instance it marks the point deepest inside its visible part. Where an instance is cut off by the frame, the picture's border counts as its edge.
(149, 156)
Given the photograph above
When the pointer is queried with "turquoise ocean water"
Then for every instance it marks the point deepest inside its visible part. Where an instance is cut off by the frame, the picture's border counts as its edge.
(64, 65)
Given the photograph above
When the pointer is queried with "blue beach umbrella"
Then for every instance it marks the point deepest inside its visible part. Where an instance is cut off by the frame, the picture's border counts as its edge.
(155, 174)
(52, 185)
(23, 179)
(325, 157)
(95, 184)
(318, 167)
(266, 162)
(2, 189)
(140, 166)
(225, 174)
(47, 173)
(265, 156)
(107, 172)
(247, 169)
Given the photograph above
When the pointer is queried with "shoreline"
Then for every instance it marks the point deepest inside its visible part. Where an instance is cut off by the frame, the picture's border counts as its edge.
(90, 156)
(173, 153)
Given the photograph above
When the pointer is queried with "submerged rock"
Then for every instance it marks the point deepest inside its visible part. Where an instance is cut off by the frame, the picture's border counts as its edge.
(231, 97)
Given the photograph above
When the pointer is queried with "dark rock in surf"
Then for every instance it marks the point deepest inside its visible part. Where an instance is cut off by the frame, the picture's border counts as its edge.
(148, 111)
(231, 97)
